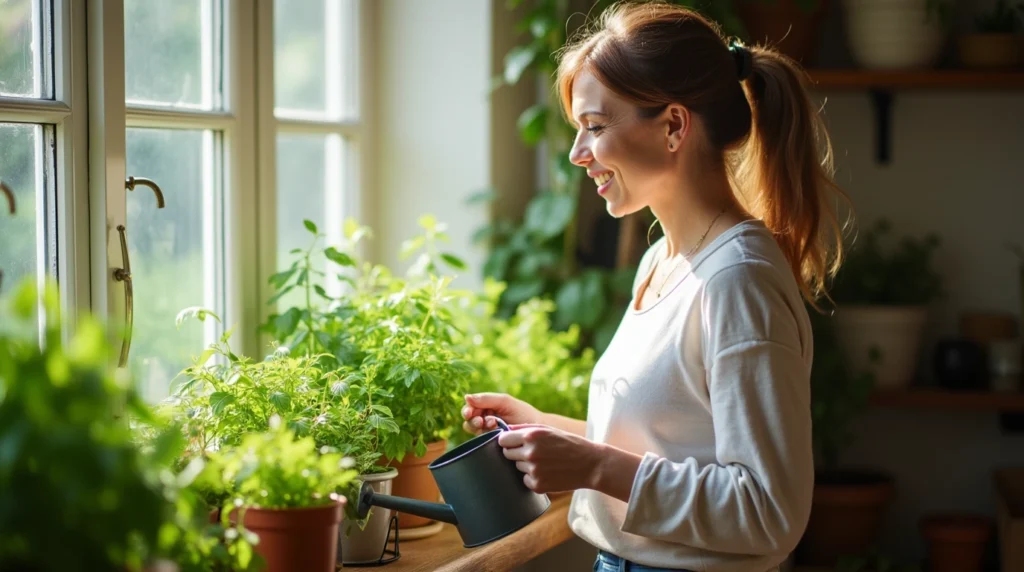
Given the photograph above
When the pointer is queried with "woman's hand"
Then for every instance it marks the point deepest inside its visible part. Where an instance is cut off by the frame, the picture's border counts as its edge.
(481, 406)
(550, 459)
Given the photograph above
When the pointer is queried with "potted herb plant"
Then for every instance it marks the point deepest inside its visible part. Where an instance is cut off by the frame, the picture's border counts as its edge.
(396, 331)
(996, 42)
(849, 503)
(882, 295)
(285, 491)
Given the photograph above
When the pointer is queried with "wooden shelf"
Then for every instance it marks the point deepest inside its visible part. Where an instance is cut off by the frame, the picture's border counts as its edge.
(925, 79)
(943, 399)
(444, 552)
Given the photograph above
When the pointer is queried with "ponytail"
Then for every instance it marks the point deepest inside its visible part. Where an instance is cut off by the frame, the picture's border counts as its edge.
(783, 170)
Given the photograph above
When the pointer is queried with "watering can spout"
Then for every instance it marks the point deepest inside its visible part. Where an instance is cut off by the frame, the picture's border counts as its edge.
(432, 510)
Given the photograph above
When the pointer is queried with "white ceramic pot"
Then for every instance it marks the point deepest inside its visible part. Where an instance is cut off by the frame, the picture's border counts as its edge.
(894, 331)
(366, 545)
(893, 34)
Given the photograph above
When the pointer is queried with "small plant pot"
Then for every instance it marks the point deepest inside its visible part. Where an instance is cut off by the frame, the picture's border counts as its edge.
(893, 34)
(294, 539)
(846, 516)
(366, 545)
(882, 340)
(415, 481)
(785, 25)
(990, 51)
(957, 542)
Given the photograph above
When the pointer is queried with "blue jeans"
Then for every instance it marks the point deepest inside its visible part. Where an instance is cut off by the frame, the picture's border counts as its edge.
(607, 562)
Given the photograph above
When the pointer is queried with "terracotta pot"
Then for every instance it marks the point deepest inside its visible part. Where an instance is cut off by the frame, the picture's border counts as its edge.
(991, 51)
(956, 542)
(846, 516)
(415, 481)
(784, 25)
(296, 539)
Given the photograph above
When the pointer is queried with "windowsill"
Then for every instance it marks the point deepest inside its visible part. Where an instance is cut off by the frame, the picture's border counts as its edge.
(444, 552)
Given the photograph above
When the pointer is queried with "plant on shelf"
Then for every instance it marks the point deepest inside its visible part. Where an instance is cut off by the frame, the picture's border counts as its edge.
(72, 474)
(882, 294)
(284, 489)
(995, 42)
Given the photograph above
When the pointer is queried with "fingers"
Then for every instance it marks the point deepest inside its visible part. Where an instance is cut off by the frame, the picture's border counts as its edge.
(511, 439)
(495, 401)
(525, 467)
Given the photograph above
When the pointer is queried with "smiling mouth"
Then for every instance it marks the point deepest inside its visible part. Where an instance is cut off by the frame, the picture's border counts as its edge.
(602, 179)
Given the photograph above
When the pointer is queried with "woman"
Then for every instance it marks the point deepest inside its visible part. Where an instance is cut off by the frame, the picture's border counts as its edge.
(696, 452)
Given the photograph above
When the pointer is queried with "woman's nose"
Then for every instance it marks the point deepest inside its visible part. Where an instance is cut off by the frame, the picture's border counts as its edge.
(580, 155)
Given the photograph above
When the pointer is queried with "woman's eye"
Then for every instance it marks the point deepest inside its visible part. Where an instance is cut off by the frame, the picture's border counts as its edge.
(595, 128)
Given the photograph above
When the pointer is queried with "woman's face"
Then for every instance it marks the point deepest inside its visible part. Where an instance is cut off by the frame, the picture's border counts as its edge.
(627, 156)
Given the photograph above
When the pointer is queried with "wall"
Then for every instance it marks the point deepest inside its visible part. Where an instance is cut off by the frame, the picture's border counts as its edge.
(431, 72)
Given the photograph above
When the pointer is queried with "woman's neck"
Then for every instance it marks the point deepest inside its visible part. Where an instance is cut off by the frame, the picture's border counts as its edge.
(693, 205)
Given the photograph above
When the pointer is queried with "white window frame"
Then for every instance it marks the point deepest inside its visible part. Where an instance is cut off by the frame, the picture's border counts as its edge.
(91, 117)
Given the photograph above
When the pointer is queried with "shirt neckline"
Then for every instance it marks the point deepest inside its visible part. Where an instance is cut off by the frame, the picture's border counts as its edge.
(697, 260)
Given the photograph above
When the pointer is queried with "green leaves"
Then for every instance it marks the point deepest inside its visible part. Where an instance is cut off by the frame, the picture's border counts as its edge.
(287, 322)
(518, 60)
(338, 257)
(310, 226)
(532, 124)
(219, 400)
(549, 214)
(581, 300)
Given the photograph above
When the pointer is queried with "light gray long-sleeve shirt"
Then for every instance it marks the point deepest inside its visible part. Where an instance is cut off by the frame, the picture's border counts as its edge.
(711, 385)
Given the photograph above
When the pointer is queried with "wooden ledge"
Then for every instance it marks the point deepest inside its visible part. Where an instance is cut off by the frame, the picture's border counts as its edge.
(444, 552)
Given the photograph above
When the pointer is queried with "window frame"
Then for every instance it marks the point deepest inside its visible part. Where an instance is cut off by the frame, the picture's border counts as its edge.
(90, 117)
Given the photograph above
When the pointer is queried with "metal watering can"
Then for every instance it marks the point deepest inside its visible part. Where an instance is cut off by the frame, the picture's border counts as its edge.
(484, 491)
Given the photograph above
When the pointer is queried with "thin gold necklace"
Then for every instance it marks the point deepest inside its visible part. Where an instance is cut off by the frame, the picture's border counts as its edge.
(688, 254)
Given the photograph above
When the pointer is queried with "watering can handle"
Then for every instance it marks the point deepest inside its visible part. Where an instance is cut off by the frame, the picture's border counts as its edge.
(501, 423)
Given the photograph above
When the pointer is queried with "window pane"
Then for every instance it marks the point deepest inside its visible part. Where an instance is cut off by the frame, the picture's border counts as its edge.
(314, 58)
(21, 169)
(22, 49)
(171, 57)
(170, 250)
(309, 186)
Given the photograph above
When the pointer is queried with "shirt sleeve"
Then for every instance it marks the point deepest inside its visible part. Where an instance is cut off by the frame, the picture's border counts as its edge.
(756, 498)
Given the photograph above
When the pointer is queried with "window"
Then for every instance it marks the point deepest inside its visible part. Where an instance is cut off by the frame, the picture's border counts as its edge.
(35, 126)
(316, 118)
(176, 121)
(242, 144)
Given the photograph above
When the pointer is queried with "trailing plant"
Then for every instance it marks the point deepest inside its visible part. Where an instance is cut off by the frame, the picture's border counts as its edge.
(395, 332)
(276, 469)
(876, 272)
(72, 474)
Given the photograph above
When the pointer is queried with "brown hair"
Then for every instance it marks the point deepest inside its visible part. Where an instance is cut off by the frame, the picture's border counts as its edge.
(764, 128)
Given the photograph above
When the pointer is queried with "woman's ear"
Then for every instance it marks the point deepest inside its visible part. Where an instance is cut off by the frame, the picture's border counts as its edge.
(677, 125)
